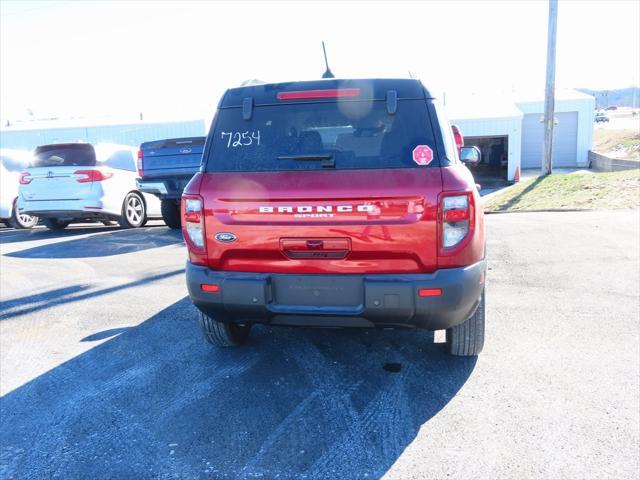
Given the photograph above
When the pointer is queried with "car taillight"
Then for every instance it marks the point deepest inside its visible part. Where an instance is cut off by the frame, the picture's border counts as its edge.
(91, 176)
(456, 218)
(140, 163)
(25, 178)
(457, 135)
(193, 221)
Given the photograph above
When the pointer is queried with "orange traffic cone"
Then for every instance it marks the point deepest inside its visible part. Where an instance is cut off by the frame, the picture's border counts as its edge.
(516, 176)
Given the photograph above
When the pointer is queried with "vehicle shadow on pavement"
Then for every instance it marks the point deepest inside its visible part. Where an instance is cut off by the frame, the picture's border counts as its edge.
(157, 401)
(115, 242)
(31, 303)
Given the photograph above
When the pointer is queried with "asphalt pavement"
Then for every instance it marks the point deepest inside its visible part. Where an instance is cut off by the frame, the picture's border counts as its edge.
(104, 373)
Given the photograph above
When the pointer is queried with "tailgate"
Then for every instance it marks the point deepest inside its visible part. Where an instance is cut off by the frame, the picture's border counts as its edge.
(55, 183)
(180, 156)
(357, 221)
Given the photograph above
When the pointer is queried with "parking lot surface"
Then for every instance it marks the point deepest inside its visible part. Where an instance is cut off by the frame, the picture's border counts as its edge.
(104, 373)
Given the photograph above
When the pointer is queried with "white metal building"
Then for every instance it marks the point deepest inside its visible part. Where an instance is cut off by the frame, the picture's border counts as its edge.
(29, 135)
(511, 134)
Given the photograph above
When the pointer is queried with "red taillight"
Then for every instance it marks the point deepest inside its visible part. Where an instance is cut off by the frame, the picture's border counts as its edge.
(456, 215)
(429, 292)
(211, 288)
(332, 93)
(25, 178)
(456, 219)
(457, 135)
(193, 228)
(140, 163)
(92, 176)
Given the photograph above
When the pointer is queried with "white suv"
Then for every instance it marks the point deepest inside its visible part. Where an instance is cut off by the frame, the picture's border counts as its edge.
(76, 182)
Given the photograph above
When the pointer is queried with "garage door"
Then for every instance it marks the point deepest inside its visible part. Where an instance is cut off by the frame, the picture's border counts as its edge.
(565, 140)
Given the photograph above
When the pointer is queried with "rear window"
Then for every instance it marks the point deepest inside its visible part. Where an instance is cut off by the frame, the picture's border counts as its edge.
(82, 155)
(310, 136)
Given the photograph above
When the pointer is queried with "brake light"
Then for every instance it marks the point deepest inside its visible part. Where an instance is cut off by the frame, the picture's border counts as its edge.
(332, 93)
(193, 221)
(456, 218)
(92, 176)
(25, 178)
(457, 135)
(140, 163)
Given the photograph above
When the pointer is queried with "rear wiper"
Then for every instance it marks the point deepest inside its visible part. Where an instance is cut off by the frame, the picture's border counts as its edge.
(326, 161)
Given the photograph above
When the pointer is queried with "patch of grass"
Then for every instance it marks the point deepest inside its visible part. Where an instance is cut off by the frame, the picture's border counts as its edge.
(581, 191)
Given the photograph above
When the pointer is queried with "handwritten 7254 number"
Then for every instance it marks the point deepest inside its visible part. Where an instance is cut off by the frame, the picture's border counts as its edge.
(241, 139)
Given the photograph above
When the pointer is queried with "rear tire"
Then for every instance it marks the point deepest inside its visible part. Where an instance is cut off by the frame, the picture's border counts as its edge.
(134, 211)
(467, 339)
(223, 334)
(171, 214)
(55, 223)
(20, 220)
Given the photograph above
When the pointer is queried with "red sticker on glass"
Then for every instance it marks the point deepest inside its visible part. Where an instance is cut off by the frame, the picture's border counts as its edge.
(422, 154)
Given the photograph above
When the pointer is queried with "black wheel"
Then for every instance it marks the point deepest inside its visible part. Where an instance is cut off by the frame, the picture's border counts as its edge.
(55, 223)
(171, 213)
(467, 339)
(21, 220)
(134, 211)
(223, 334)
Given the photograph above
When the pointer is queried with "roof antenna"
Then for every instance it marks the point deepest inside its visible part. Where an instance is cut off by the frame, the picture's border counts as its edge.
(328, 73)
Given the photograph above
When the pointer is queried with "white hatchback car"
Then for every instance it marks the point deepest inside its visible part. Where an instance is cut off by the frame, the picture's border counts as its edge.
(12, 162)
(78, 182)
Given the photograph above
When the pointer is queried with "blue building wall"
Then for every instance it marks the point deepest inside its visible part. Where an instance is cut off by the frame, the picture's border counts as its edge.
(127, 134)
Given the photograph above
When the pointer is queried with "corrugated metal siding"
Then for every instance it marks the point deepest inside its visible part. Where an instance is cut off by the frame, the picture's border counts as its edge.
(129, 134)
(565, 138)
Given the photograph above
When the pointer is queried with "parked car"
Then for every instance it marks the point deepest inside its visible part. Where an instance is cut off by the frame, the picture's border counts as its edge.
(12, 162)
(80, 182)
(165, 167)
(335, 203)
(601, 117)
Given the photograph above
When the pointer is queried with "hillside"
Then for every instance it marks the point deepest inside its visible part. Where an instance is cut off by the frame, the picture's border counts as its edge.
(623, 97)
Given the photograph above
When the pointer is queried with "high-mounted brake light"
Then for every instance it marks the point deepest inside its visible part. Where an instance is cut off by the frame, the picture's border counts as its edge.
(332, 93)
(92, 176)
(456, 218)
(25, 178)
(140, 163)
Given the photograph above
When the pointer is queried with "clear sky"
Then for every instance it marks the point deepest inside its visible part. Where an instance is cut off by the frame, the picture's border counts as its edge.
(174, 59)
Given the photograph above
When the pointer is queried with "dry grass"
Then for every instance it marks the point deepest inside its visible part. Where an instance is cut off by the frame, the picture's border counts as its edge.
(624, 144)
(578, 191)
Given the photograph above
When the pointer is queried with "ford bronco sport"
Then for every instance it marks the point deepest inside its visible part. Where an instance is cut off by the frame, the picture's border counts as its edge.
(335, 203)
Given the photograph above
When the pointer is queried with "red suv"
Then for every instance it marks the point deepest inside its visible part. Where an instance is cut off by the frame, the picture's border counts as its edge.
(335, 203)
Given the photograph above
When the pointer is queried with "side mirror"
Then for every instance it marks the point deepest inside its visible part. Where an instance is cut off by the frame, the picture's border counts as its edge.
(470, 155)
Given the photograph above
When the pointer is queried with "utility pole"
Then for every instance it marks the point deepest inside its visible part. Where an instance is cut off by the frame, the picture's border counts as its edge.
(549, 100)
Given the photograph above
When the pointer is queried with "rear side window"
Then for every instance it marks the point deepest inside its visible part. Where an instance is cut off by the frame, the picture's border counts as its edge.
(12, 164)
(304, 136)
(121, 160)
(450, 148)
(81, 155)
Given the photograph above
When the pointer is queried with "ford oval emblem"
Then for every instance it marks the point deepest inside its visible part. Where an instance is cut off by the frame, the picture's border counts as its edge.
(225, 237)
(185, 150)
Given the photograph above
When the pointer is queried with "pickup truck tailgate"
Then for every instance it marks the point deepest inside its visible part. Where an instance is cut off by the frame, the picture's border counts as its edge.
(180, 156)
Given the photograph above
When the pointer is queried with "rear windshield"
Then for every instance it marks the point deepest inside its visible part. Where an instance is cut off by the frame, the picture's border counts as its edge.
(64, 156)
(309, 136)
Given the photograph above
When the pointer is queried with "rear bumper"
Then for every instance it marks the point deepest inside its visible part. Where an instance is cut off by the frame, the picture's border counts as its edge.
(64, 209)
(386, 300)
(165, 189)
